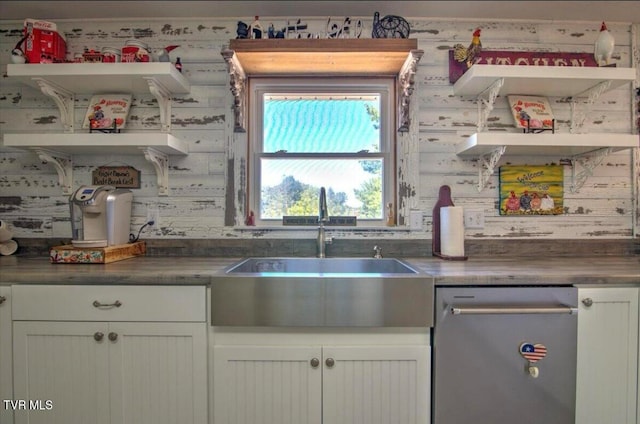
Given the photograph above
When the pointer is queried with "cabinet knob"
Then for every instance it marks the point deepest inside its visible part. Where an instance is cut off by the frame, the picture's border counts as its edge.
(2, 299)
(314, 362)
(587, 301)
(98, 336)
(113, 336)
(330, 362)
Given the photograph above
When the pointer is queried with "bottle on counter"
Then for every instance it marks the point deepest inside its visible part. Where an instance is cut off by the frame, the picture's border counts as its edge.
(178, 65)
(391, 219)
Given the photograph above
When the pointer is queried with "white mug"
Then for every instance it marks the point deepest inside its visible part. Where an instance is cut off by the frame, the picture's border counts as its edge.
(8, 247)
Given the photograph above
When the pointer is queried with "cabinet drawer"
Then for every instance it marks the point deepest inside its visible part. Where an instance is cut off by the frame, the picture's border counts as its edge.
(98, 303)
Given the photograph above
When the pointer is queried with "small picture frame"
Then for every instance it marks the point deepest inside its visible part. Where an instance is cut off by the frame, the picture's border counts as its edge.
(532, 113)
(107, 112)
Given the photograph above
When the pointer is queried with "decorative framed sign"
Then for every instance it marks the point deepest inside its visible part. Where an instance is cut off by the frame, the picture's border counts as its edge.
(107, 111)
(531, 113)
(497, 57)
(531, 189)
(117, 176)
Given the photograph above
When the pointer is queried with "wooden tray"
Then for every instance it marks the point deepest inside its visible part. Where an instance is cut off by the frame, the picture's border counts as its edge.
(69, 254)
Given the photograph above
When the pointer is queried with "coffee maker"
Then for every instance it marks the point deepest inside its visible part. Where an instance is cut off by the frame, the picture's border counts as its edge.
(100, 216)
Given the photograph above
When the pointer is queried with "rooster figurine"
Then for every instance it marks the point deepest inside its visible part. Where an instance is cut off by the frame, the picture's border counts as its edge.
(469, 54)
(604, 46)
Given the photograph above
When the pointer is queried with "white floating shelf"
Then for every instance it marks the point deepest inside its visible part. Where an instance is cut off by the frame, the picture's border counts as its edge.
(96, 78)
(544, 144)
(551, 81)
(99, 143)
(58, 149)
(586, 150)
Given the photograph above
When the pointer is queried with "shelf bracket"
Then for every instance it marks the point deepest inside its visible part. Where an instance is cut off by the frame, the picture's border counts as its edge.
(485, 105)
(163, 97)
(488, 164)
(64, 100)
(238, 86)
(406, 85)
(588, 162)
(160, 162)
(578, 116)
(63, 164)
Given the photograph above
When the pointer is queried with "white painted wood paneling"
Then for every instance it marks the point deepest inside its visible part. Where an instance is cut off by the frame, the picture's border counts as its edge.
(267, 385)
(30, 195)
(62, 363)
(377, 385)
(607, 363)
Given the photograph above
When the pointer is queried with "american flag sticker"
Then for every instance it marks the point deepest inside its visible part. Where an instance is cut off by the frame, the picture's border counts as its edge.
(533, 352)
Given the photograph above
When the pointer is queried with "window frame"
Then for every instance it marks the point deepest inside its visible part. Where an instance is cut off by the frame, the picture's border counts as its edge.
(384, 86)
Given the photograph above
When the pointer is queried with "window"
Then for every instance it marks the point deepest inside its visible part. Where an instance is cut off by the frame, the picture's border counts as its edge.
(311, 133)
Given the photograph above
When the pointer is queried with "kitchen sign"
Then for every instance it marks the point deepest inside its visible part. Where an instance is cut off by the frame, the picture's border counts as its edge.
(117, 176)
(497, 57)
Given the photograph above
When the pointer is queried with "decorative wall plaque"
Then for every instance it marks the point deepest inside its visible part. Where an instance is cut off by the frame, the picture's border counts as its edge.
(531, 189)
(117, 176)
(497, 57)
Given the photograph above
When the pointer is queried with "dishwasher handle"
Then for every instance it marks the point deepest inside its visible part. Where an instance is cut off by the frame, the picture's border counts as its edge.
(510, 310)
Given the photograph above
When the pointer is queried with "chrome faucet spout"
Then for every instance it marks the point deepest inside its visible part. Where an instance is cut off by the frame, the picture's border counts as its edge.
(323, 217)
(323, 212)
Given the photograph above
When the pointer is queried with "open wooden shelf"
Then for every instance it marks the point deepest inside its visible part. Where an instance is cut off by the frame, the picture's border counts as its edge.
(551, 81)
(98, 143)
(97, 78)
(63, 81)
(487, 82)
(568, 145)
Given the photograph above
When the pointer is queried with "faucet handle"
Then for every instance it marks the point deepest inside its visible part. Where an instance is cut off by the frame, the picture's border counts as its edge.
(378, 250)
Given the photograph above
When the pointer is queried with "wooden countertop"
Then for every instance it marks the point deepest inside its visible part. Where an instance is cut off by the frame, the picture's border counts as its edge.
(199, 270)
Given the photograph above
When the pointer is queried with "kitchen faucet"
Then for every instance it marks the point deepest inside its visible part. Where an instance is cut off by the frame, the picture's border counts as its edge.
(323, 217)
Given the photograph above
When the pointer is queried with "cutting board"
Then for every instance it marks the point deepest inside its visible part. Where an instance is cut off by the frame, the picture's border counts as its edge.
(69, 254)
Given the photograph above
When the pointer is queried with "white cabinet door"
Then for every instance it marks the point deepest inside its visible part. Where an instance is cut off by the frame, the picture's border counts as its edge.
(61, 371)
(607, 363)
(158, 373)
(267, 385)
(376, 384)
(6, 371)
(328, 385)
(134, 373)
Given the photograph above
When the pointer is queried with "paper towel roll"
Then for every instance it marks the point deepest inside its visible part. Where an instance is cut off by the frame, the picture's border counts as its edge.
(5, 234)
(452, 231)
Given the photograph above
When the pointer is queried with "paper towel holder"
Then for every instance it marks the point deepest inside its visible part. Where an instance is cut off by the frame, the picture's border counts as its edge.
(444, 200)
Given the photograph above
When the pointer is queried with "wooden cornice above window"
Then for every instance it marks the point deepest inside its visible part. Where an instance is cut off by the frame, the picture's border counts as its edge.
(322, 57)
(332, 56)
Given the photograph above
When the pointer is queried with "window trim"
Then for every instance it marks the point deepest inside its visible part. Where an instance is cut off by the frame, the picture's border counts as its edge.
(386, 87)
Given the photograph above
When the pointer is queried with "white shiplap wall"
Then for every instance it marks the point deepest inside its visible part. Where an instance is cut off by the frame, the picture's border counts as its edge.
(31, 200)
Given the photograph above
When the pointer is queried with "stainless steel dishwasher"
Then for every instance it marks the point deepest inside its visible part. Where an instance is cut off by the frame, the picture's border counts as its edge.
(505, 355)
